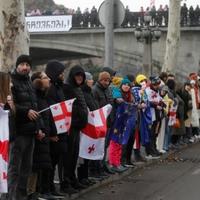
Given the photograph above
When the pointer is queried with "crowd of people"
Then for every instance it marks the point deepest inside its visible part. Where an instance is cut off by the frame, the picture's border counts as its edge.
(155, 113)
(159, 17)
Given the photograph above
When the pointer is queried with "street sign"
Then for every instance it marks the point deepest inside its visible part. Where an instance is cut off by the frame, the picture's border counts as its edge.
(119, 13)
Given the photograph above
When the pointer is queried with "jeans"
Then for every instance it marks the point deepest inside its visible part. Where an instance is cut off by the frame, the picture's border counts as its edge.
(20, 166)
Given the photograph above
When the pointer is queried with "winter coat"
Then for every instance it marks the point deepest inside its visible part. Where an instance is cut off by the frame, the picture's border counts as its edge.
(89, 97)
(103, 96)
(72, 90)
(55, 95)
(12, 126)
(186, 97)
(41, 155)
(24, 99)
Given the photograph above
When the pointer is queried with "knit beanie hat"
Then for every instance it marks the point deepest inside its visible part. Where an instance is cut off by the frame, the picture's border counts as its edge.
(103, 76)
(130, 77)
(125, 81)
(88, 76)
(116, 81)
(54, 68)
(24, 59)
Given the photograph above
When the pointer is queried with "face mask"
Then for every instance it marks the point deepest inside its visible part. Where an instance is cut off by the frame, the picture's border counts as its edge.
(171, 84)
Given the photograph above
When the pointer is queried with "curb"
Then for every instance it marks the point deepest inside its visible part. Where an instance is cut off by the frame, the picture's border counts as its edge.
(117, 177)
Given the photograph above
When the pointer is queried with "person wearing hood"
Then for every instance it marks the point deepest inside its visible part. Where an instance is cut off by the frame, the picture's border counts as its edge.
(88, 165)
(27, 128)
(58, 142)
(72, 89)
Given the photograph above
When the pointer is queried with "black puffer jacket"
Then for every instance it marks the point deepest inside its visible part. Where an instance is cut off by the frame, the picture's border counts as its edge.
(72, 90)
(24, 99)
(41, 156)
(89, 97)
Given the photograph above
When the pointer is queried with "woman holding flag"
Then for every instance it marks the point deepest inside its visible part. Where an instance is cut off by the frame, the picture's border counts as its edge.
(123, 124)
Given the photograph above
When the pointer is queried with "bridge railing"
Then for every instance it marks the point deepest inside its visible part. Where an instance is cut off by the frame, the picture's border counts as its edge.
(134, 19)
(131, 20)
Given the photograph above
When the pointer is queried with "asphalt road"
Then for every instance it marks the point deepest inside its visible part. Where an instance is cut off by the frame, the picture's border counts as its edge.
(177, 178)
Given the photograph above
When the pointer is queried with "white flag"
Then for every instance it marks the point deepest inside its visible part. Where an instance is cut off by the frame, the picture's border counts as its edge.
(92, 140)
(4, 141)
(62, 115)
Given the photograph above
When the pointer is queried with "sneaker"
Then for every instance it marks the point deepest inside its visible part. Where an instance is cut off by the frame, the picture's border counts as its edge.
(78, 186)
(68, 190)
(129, 164)
(48, 196)
(103, 174)
(152, 157)
(57, 194)
(163, 151)
(108, 169)
(33, 196)
(85, 182)
(191, 140)
(119, 169)
(139, 158)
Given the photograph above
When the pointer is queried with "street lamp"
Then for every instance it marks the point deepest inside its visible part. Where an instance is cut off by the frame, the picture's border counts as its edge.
(147, 35)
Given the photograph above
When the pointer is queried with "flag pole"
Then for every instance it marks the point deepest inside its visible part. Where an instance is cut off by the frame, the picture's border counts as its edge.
(44, 110)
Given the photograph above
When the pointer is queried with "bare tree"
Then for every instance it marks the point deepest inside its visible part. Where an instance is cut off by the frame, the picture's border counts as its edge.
(14, 39)
(173, 36)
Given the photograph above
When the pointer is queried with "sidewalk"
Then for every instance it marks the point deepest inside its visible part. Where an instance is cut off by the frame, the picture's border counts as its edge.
(117, 176)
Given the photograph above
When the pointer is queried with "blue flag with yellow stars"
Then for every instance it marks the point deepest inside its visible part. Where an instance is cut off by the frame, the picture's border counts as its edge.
(124, 124)
(145, 125)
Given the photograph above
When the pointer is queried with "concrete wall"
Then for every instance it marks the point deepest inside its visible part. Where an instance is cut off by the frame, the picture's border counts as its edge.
(128, 52)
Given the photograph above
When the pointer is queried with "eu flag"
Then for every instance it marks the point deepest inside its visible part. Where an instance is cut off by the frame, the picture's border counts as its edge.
(124, 124)
(145, 125)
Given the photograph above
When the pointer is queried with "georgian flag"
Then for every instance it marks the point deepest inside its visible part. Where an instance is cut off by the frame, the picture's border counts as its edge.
(62, 115)
(172, 114)
(4, 142)
(92, 139)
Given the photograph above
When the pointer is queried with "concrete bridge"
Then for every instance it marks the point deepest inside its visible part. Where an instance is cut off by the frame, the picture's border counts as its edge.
(82, 43)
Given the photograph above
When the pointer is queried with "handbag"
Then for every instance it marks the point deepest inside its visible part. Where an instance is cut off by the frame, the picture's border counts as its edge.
(177, 124)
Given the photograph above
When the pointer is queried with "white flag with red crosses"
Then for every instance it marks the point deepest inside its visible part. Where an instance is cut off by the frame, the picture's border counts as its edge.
(62, 113)
(4, 142)
(92, 140)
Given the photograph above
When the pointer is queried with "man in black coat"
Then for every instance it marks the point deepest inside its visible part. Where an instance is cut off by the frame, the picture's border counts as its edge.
(72, 89)
(27, 127)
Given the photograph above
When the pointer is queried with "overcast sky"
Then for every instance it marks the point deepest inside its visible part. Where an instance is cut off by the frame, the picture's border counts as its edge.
(134, 5)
